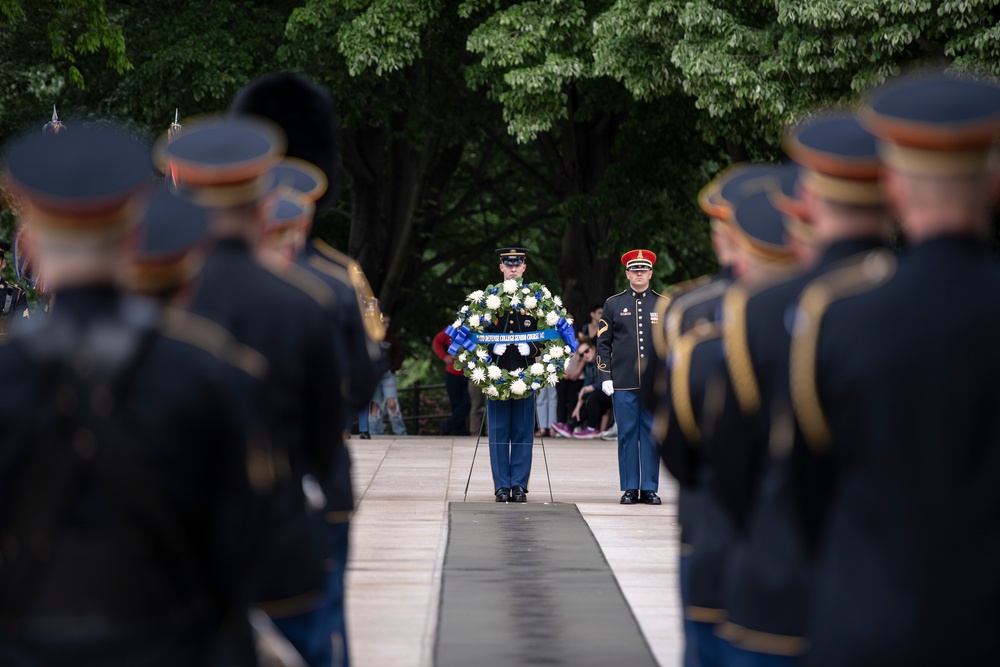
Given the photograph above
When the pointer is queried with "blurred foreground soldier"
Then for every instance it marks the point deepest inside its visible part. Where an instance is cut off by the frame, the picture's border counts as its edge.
(673, 309)
(124, 500)
(700, 416)
(624, 347)
(308, 116)
(839, 209)
(13, 302)
(226, 166)
(894, 383)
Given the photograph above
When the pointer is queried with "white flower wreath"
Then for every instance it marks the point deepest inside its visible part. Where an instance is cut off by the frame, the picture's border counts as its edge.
(486, 306)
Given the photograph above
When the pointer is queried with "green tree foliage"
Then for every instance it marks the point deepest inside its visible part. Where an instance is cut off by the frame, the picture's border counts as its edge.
(581, 128)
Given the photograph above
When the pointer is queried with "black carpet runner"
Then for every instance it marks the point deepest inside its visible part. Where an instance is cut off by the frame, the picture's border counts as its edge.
(527, 584)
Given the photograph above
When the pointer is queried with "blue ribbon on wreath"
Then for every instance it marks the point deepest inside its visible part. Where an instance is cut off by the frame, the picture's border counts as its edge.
(565, 329)
(460, 338)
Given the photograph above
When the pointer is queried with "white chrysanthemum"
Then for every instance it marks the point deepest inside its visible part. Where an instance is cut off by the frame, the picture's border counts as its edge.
(482, 353)
(525, 290)
(552, 318)
(470, 365)
(515, 301)
(457, 324)
(556, 352)
(546, 293)
(535, 385)
(553, 379)
(492, 391)
(567, 349)
(476, 296)
(493, 302)
(530, 302)
(551, 368)
(494, 372)
(556, 300)
(537, 368)
(546, 358)
(479, 376)
(474, 320)
(465, 309)
(517, 371)
(463, 356)
(510, 286)
(518, 387)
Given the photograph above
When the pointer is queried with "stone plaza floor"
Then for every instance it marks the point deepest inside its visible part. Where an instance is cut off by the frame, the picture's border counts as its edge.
(399, 533)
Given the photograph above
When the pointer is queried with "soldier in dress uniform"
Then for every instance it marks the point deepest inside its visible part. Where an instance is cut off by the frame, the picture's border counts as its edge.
(696, 421)
(307, 114)
(511, 423)
(836, 206)
(125, 505)
(893, 375)
(624, 347)
(227, 166)
(13, 301)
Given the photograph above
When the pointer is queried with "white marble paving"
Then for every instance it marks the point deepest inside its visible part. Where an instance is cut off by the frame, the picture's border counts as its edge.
(399, 534)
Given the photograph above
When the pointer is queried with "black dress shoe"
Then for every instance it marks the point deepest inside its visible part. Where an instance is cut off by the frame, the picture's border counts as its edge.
(365, 435)
(503, 495)
(650, 498)
(518, 495)
(630, 497)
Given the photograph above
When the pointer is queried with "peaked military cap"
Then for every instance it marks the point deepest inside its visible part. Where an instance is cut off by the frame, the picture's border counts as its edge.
(291, 211)
(301, 176)
(223, 162)
(87, 179)
(787, 198)
(168, 244)
(639, 259)
(710, 200)
(840, 158)
(744, 179)
(307, 114)
(512, 256)
(760, 227)
(934, 123)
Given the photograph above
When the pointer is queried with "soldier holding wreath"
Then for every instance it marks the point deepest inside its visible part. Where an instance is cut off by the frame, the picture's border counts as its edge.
(497, 343)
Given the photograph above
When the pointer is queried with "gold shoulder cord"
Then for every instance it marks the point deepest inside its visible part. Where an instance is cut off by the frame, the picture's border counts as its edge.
(856, 277)
(209, 336)
(683, 302)
(738, 360)
(371, 315)
(660, 330)
(305, 282)
(680, 379)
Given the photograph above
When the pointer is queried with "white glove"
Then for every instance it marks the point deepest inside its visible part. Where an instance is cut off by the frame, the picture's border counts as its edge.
(608, 387)
(499, 349)
(523, 349)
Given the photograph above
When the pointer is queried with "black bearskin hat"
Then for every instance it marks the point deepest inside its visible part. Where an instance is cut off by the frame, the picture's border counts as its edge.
(307, 114)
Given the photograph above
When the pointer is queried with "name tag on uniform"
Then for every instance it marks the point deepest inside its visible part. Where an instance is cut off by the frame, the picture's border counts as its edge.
(625, 313)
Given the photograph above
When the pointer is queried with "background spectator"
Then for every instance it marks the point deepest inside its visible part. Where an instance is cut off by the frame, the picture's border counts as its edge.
(545, 410)
(596, 311)
(386, 397)
(457, 386)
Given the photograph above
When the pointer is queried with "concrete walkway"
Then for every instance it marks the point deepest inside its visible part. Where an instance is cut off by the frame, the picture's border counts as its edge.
(399, 534)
